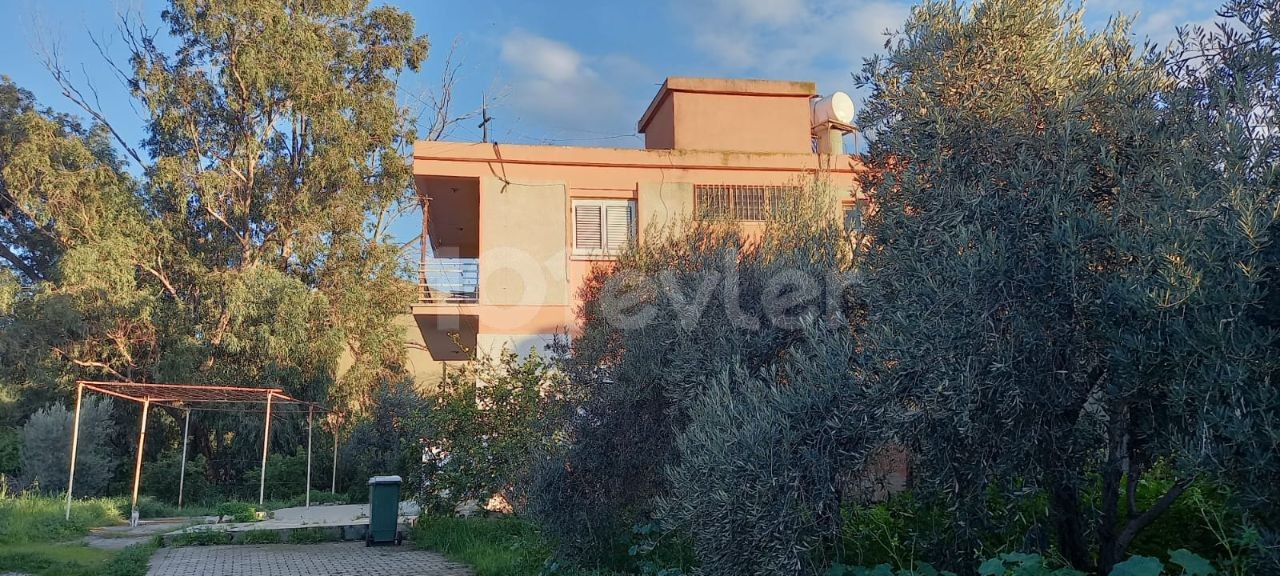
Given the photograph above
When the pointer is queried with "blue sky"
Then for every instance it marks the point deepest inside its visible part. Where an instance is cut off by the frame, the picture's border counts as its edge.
(574, 72)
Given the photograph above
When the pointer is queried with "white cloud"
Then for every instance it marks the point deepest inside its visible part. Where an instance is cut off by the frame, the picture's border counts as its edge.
(564, 92)
(820, 40)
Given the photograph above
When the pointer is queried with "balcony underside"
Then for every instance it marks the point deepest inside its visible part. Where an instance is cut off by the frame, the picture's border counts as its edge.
(449, 332)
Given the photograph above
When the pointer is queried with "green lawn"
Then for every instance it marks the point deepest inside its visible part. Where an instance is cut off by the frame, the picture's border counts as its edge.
(36, 538)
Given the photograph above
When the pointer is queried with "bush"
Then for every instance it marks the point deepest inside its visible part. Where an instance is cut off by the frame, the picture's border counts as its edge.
(388, 440)
(237, 512)
(762, 457)
(160, 479)
(10, 452)
(647, 363)
(286, 478)
(484, 427)
(46, 447)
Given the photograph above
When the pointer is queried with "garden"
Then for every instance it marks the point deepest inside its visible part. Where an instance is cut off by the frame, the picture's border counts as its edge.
(1049, 348)
(1050, 344)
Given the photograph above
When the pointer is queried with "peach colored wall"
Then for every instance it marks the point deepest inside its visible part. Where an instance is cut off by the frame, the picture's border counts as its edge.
(526, 195)
(661, 132)
(762, 123)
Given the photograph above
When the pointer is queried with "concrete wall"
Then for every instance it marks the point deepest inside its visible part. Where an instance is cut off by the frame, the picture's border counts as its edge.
(523, 227)
(660, 203)
(742, 123)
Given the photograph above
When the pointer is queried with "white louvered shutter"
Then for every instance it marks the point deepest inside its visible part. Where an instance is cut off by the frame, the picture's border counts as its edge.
(588, 230)
(619, 223)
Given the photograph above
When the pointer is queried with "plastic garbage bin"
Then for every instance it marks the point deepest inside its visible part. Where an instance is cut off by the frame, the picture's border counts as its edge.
(384, 511)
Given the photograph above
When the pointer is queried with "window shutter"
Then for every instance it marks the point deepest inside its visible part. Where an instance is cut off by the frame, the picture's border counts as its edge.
(587, 228)
(618, 220)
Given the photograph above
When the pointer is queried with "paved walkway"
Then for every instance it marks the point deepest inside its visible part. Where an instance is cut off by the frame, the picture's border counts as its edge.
(337, 559)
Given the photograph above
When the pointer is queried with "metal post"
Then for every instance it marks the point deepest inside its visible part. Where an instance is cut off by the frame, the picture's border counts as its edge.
(333, 478)
(75, 442)
(137, 465)
(308, 497)
(266, 438)
(186, 433)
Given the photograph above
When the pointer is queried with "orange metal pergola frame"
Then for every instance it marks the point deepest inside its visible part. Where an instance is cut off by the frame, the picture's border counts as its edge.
(182, 396)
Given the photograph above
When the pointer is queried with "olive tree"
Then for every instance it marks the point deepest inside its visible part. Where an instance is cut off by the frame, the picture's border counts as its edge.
(1060, 281)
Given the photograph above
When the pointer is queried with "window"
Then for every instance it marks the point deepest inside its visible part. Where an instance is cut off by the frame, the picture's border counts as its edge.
(602, 227)
(737, 202)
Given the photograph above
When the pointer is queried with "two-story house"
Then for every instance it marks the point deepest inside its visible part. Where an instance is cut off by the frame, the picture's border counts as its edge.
(511, 231)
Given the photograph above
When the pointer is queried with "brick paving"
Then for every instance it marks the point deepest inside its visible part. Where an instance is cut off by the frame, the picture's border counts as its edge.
(335, 559)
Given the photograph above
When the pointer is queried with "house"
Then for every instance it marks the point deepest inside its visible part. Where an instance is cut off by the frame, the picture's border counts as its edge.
(511, 231)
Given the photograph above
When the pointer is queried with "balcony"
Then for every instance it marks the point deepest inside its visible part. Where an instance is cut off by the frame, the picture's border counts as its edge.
(448, 281)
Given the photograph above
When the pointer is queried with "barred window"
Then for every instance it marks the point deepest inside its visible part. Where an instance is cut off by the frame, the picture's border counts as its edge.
(737, 202)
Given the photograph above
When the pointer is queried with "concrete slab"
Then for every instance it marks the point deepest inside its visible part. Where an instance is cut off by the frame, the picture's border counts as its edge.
(341, 522)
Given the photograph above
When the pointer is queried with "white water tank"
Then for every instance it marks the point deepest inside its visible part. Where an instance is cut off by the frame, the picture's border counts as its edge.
(836, 108)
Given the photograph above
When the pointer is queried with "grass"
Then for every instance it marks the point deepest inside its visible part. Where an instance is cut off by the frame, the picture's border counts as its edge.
(490, 546)
(36, 538)
(29, 518)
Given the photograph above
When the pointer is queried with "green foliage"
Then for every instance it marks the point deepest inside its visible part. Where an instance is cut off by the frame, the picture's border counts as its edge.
(46, 447)
(259, 537)
(491, 546)
(30, 517)
(387, 440)
(10, 452)
(159, 478)
(761, 458)
(252, 248)
(487, 422)
(131, 561)
(201, 537)
(237, 511)
(62, 559)
(1068, 301)
(691, 309)
(312, 536)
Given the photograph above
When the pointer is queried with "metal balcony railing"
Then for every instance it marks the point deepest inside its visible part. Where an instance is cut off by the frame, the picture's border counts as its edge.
(449, 281)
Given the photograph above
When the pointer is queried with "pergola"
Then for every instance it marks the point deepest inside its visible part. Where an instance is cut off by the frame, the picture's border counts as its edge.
(188, 397)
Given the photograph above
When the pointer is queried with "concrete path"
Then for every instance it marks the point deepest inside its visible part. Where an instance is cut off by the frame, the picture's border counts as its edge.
(315, 516)
(337, 559)
(123, 536)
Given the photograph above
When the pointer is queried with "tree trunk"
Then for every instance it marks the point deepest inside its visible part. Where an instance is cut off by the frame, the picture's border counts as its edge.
(1064, 504)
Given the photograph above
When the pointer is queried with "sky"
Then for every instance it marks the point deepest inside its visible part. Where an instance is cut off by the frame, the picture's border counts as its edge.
(570, 72)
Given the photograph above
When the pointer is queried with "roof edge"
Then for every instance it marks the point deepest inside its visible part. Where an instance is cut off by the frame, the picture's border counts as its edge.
(726, 86)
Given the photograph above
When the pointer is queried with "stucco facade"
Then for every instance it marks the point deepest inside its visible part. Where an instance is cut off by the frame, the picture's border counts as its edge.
(511, 231)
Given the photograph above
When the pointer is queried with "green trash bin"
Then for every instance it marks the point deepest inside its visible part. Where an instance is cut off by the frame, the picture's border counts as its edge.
(384, 511)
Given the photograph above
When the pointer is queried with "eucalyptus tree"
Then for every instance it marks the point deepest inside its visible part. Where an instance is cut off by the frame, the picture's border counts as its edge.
(248, 247)
(1061, 278)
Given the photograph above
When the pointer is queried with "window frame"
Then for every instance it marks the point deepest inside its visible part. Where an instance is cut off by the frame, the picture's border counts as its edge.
(727, 197)
(603, 252)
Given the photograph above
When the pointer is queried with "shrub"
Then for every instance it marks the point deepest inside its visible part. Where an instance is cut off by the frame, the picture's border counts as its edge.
(647, 356)
(10, 452)
(286, 477)
(46, 447)
(762, 456)
(488, 420)
(237, 511)
(160, 478)
(388, 439)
